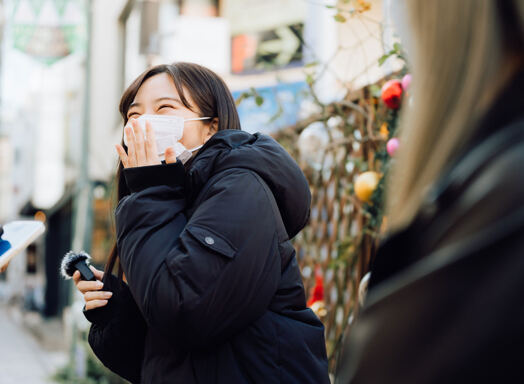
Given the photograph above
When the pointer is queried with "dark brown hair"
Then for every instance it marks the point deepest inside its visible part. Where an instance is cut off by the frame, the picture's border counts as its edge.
(210, 95)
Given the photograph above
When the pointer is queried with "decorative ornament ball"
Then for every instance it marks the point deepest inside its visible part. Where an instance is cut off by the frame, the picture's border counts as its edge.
(312, 143)
(319, 307)
(406, 81)
(392, 146)
(384, 131)
(365, 185)
(392, 93)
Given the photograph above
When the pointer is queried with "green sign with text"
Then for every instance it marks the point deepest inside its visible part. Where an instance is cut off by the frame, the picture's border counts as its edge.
(49, 30)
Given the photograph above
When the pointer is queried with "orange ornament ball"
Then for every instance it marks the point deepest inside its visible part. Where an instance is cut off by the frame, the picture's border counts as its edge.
(365, 185)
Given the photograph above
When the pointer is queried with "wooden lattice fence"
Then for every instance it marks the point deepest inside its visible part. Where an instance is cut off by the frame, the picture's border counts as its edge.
(343, 232)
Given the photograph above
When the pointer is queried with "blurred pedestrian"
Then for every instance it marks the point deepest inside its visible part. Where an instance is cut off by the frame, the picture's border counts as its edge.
(445, 296)
(214, 292)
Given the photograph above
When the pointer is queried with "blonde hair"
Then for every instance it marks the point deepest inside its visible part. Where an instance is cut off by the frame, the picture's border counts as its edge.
(460, 63)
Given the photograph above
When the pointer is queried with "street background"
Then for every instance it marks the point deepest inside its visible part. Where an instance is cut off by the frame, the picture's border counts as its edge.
(64, 65)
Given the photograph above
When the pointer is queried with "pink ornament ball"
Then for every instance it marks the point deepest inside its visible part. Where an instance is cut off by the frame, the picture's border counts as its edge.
(406, 81)
(392, 146)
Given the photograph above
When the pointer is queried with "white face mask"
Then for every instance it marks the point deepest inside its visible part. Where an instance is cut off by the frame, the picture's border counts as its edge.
(169, 130)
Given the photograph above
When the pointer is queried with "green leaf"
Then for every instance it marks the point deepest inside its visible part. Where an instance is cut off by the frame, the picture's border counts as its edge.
(277, 115)
(309, 79)
(311, 64)
(387, 55)
(397, 47)
(259, 100)
(241, 98)
(338, 17)
(375, 90)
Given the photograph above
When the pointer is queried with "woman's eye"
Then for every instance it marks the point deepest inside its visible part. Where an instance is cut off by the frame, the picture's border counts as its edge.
(165, 106)
(134, 114)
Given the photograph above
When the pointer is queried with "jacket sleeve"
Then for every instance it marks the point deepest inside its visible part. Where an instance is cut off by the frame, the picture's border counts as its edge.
(117, 333)
(201, 282)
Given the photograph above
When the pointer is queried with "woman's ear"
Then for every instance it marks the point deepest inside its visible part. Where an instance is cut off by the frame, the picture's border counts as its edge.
(212, 129)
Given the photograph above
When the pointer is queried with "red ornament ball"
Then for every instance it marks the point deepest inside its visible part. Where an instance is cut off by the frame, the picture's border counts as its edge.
(392, 93)
(317, 292)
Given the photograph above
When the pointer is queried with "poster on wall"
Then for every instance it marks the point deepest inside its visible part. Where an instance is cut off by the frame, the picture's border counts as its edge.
(265, 34)
(266, 50)
(277, 106)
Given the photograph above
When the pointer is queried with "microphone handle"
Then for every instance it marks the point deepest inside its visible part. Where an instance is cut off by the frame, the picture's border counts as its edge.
(85, 271)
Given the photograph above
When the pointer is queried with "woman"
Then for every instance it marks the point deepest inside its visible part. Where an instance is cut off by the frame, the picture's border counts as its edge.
(213, 293)
(446, 289)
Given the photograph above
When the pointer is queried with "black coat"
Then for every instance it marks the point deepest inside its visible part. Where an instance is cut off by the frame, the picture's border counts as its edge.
(446, 295)
(214, 291)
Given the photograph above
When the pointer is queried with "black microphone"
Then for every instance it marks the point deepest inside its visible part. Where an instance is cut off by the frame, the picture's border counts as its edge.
(73, 261)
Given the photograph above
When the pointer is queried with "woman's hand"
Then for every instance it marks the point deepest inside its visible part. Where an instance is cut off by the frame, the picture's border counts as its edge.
(93, 296)
(141, 151)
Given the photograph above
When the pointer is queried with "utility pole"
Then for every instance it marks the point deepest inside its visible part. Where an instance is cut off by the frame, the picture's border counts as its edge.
(5, 156)
(321, 45)
(82, 208)
(82, 214)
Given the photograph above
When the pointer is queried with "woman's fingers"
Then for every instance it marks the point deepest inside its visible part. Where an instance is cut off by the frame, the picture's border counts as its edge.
(85, 286)
(97, 295)
(140, 150)
(122, 154)
(93, 296)
(76, 277)
(170, 155)
(98, 273)
(131, 152)
(95, 304)
(151, 149)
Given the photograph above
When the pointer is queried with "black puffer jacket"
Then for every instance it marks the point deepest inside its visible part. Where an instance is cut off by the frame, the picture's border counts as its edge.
(214, 291)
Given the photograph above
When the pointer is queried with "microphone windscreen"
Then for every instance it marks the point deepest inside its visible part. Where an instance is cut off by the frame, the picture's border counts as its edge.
(68, 262)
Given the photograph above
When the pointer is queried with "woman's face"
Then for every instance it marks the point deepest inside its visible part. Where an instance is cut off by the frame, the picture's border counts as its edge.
(158, 96)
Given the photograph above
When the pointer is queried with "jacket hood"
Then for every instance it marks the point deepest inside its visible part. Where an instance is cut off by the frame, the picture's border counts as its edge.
(261, 154)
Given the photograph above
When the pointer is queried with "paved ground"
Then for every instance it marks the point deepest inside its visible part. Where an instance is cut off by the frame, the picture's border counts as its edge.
(23, 359)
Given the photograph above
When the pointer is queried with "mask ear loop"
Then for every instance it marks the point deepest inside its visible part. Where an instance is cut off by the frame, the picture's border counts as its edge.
(194, 119)
(189, 152)
(196, 148)
(197, 118)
